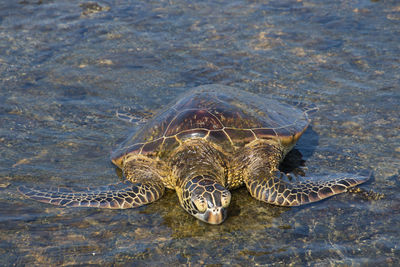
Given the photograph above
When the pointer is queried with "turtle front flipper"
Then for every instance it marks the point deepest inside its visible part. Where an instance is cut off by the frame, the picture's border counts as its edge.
(116, 196)
(275, 190)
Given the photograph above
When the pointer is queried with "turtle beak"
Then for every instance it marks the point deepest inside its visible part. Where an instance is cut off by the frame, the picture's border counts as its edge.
(215, 215)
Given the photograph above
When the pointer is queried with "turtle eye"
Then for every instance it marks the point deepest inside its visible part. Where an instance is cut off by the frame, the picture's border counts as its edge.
(200, 204)
(225, 199)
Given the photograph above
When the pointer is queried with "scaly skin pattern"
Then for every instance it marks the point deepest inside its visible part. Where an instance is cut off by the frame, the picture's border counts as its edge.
(117, 196)
(276, 191)
(266, 183)
(199, 169)
(201, 183)
(205, 199)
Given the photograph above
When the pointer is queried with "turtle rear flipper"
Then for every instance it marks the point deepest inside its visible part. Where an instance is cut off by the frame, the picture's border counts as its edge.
(276, 191)
(132, 115)
(122, 195)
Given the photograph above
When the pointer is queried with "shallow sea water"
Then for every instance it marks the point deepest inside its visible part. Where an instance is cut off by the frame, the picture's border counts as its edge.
(67, 67)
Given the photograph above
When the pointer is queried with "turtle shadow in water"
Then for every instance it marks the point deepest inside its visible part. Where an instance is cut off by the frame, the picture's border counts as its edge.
(295, 160)
(292, 162)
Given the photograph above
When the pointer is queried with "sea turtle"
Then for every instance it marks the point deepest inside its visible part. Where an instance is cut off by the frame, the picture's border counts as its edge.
(212, 140)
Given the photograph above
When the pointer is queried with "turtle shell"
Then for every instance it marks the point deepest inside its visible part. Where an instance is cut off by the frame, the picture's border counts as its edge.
(220, 114)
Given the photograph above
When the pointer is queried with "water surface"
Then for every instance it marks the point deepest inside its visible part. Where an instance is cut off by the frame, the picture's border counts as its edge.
(66, 68)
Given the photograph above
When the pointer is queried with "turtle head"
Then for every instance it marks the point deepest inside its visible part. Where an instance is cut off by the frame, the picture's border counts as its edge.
(205, 199)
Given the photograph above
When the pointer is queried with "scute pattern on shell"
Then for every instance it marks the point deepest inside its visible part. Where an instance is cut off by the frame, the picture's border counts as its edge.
(220, 114)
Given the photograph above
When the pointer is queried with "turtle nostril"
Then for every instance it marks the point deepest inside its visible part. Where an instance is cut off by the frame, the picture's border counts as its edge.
(216, 210)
